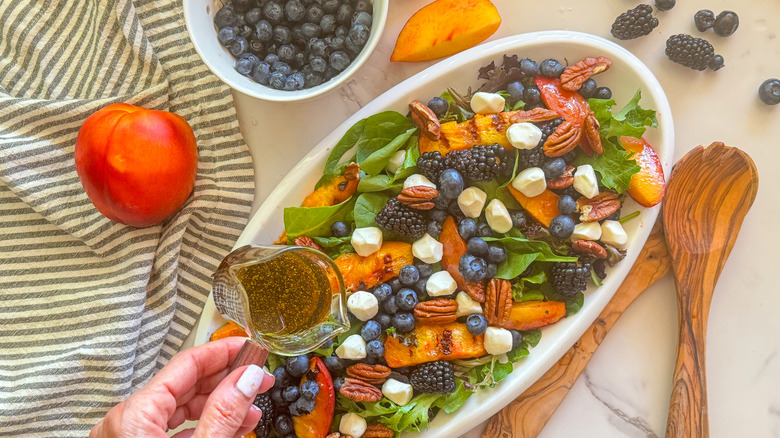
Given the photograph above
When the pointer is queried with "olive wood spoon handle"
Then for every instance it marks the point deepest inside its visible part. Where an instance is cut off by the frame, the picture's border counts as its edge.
(709, 193)
(529, 413)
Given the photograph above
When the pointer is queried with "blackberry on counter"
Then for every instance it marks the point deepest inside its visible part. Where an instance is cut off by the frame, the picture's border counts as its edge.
(402, 220)
(263, 401)
(570, 278)
(431, 165)
(634, 23)
(692, 52)
(434, 377)
(480, 163)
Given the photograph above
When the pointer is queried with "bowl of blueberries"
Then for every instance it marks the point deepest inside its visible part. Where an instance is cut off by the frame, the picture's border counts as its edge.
(284, 50)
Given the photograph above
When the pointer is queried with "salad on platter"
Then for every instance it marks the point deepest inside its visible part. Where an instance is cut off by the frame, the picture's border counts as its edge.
(460, 229)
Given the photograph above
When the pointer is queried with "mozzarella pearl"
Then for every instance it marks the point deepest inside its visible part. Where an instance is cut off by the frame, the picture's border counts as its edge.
(530, 182)
(353, 425)
(363, 305)
(585, 182)
(366, 241)
(471, 201)
(487, 103)
(467, 306)
(418, 180)
(498, 216)
(440, 283)
(353, 348)
(524, 135)
(397, 392)
(498, 340)
(612, 232)
(586, 231)
(428, 249)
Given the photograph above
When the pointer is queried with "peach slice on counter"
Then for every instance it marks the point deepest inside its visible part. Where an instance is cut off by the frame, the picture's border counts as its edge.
(648, 186)
(445, 27)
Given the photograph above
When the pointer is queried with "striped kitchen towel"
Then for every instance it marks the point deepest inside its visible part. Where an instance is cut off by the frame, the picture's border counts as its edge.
(90, 309)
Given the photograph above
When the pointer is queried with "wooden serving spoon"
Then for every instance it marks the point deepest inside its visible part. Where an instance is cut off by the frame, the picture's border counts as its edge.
(527, 415)
(710, 192)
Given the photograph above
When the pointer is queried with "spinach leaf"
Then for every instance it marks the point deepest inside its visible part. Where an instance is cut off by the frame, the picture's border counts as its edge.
(614, 166)
(376, 162)
(366, 208)
(409, 165)
(532, 337)
(521, 252)
(377, 183)
(335, 246)
(314, 221)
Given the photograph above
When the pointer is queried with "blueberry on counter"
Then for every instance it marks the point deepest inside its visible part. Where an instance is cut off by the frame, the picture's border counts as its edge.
(726, 23)
(769, 91)
(664, 5)
(704, 19)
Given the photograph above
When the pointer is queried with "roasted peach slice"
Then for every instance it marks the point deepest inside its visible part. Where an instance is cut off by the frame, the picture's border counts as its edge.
(530, 315)
(433, 342)
(316, 424)
(543, 207)
(648, 186)
(362, 273)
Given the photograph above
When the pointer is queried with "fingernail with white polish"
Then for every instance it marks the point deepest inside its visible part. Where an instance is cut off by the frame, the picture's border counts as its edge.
(250, 381)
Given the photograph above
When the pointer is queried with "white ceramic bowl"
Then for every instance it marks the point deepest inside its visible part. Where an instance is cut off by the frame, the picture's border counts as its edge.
(199, 18)
(626, 75)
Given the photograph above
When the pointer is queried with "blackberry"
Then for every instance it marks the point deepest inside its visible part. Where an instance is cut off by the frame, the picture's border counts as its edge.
(531, 157)
(434, 377)
(548, 128)
(570, 278)
(480, 163)
(402, 220)
(263, 401)
(431, 165)
(634, 23)
(689, 51)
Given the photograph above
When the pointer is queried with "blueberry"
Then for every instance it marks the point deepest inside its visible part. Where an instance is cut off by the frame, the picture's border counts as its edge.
(286, 53)
(334, 364)
(364, 6)
(726, 23)
(518, 218)
(532, 95)
(406, 299)
(477, 246)
(472, 268)
(328, 24)
(528, 68)
(439, 106)
(310, 389)
(365, 19)
(281, 377)
(409, 275)
(282, 35)
(271, 58)
(390, 306)
(337, 382)
(276, 397)
(317, 47)
(517, 339)
(242, 5)
(567, 204)
(291, 393)
(339, 229)
(664, 5)
(769, 91)
(312, 79)
(310, 30)
(554, 168)
(716, 63)
(496, 253)
(704, 19)
(375, 349)
(246, 63)
(314, 13)
(245, 31)
(484, 230)
(550, 68)
(515, 90)
(561, 226)
(336, 44)
(382, 291)
(467, 228)
(281, 67)
(294, 10)
(284, 424)
(454, 210)
(371, 330)
(588, 88)
(425, 269)
(225, 17)
(421, 286)
(351, 45)
(344, 13)
(403, 322)
(603, 93)
(450, 183)
(298, 365)
(294, 82)
(304, 405)
(227, 35)
(330, 6)
(256, 47)
(238, 46)
(273, 12)
(359, 33)
(395, 284)
(434, 229)
(492, 270)
(476, 324)
(317, 64)
(384, 320)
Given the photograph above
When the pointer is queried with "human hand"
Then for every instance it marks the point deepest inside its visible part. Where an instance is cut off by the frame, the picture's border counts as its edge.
(194, 385)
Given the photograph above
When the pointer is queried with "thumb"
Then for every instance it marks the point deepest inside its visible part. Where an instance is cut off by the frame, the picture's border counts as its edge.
(229, 408)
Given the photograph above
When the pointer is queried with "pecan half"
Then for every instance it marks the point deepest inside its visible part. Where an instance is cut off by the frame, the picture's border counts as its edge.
(591, 128)
(360, 391)
(418, 197)
(498, 301)
(378, 431)
(426, 120)
(352, 171)
(373, 374)
(597, 207)
(534, 115)
(565, 138)
(476, 291)
(438, 311)
(574, 75)
(589, 247)
(563, 181)
(307, 242)
(337, 435)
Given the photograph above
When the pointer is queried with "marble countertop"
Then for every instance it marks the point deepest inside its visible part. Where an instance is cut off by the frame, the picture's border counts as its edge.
(624, 391)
